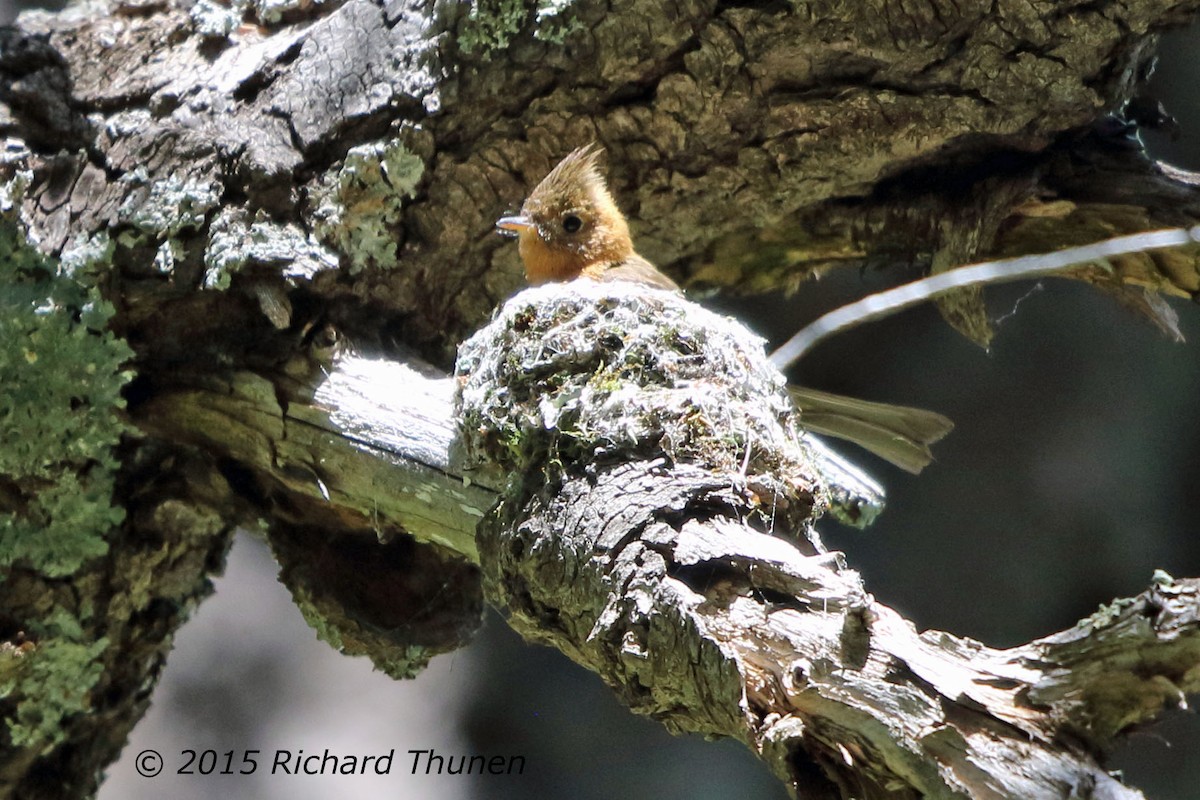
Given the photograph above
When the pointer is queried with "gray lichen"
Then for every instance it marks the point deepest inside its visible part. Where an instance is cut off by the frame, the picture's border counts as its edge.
(556, 20)
(270, 12)
(358, 206)
(233, 243)
(216, 20)
(165, 206)
(84, 254)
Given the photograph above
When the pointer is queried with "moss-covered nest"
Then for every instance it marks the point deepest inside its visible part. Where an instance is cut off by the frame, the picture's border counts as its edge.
(570, 377)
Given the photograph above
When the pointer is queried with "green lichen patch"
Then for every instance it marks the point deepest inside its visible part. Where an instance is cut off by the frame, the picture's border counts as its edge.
(556, 21)
(491, 25)
(53, 681)
(48, 678)
(61, 374)
(357, 207)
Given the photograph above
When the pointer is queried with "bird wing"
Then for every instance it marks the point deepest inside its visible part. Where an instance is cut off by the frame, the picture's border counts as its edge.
(633, 268)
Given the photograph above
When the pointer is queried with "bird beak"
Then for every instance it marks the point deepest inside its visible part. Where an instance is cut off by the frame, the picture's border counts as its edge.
(512, 226)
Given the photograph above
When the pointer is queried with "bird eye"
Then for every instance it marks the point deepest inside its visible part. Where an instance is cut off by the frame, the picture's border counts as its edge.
(571, 223)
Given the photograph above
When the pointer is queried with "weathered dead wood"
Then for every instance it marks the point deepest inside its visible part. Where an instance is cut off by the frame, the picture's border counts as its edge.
(353, 468)
(371, 444)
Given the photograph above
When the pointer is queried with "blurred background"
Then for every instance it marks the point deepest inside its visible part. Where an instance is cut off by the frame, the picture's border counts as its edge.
(1070, 478)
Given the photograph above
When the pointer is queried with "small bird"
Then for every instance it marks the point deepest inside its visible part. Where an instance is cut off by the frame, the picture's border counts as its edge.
(570, 227)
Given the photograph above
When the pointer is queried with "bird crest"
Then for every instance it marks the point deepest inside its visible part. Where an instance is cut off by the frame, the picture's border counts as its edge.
(574, 181)
(570, 223)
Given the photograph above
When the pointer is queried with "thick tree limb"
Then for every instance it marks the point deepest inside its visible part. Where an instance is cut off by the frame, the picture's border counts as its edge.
(351, 467)
(840, 135)
(373, 446)
(237, 177)
(661, 534)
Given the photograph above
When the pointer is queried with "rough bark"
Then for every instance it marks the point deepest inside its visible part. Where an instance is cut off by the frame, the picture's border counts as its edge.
(257, 189)
(662, 535)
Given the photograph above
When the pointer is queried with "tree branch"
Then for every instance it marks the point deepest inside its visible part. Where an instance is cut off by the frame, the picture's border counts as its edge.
(238, 177)
(659, 530)
(370, 446)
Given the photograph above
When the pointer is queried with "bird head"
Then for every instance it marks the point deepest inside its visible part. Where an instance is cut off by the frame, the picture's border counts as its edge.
(569, 221)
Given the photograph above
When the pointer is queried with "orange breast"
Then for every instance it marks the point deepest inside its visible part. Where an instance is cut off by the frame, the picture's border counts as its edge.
(544, 263)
